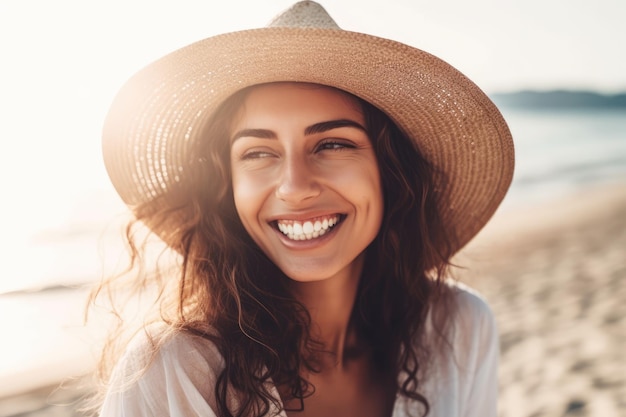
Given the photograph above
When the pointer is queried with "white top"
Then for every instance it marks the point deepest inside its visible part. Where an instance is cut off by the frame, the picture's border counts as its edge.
(180, 379)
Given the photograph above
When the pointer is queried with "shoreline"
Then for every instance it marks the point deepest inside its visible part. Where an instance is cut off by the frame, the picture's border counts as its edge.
(523, 226)
(552, 274)
(48, 340)
(60, 399)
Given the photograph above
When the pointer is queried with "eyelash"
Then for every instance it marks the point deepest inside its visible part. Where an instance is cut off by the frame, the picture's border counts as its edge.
(331, 145)
(334, 145)
(255, 155)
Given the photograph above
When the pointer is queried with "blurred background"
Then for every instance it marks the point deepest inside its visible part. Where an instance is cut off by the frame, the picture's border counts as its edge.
(552, 263)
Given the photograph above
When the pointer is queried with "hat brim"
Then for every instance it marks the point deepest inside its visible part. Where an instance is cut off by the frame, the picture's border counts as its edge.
(164, 108)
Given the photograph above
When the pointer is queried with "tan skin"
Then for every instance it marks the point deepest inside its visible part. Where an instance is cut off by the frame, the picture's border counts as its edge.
(300, 153)
(348, 385)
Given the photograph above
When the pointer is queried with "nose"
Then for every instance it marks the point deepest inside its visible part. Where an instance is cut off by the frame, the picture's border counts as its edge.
(297, 181)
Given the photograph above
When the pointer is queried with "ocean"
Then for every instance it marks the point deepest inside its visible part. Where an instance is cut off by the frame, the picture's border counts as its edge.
(43, 287)
(561, 151)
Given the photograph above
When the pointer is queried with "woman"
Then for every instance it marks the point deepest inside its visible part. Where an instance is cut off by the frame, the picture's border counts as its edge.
(315, 184)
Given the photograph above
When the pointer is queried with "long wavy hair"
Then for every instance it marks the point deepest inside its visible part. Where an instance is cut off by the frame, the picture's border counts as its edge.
(225, 289)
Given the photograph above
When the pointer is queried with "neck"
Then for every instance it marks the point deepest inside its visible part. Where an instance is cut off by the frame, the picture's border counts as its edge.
(330, 303)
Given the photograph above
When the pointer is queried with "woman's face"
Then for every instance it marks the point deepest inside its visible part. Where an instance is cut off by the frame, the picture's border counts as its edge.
(305, 179)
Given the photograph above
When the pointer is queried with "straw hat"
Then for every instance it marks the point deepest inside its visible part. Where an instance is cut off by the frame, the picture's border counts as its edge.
(165, 107)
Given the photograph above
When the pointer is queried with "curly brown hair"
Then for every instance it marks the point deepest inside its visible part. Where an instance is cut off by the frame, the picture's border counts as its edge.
(228, 291)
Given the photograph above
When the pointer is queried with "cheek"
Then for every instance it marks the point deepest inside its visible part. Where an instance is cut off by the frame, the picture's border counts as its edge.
(363, 184)
(249, 193)
(376, 204)
(371, 189)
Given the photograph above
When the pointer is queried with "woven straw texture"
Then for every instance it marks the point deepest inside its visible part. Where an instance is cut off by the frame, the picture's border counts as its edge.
(165, 107)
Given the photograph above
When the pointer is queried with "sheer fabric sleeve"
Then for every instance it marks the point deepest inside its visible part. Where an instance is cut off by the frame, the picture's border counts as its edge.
(178, 380)
(462, 380)
(482, 383)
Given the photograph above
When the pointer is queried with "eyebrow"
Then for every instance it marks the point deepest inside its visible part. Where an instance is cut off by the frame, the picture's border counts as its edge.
(332, 124)
(310, 130)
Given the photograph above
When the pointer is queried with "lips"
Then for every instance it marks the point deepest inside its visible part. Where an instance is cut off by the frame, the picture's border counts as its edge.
(308, 229)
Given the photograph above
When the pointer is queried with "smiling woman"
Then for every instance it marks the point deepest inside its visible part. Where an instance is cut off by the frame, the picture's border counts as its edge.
(318, 167)
(314, 211)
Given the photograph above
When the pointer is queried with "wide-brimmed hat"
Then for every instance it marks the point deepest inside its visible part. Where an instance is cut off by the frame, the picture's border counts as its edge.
(165, 107)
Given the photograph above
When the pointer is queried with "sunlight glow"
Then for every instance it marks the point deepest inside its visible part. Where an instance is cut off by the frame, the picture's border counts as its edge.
(65, 63)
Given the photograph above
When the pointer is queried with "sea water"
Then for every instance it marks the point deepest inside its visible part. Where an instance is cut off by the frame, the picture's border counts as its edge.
(42, 289)
(561, 151)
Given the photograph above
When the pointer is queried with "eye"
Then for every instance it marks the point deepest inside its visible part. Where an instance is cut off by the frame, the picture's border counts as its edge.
(255, 154)
(334, 145)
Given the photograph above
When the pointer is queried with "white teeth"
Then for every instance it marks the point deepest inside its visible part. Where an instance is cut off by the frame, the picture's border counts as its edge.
(308, 230)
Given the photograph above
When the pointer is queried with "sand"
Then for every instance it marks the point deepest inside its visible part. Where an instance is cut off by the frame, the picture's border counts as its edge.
(555, 276)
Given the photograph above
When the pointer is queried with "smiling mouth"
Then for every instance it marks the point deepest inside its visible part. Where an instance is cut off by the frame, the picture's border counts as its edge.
(309, 229)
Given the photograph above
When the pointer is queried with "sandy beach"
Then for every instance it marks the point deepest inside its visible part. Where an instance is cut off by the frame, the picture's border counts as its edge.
(555, 276)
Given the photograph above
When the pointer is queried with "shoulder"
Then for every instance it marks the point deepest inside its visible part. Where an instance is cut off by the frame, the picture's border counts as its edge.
(472, 323)
(465, 326)
(464, 380)
(471, 305)
(194, 354)
(158, 346)
(164, 371)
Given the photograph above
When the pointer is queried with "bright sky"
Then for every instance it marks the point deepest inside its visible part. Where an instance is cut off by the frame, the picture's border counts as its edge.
(62, 61)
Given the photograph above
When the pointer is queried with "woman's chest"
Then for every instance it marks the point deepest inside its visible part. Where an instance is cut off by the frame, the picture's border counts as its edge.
(351, 393)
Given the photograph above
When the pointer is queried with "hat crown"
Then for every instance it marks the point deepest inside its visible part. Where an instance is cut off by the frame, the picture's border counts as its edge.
(305, 14)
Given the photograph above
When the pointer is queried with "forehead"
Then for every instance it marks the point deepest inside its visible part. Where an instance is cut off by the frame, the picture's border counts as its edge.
(286, 96)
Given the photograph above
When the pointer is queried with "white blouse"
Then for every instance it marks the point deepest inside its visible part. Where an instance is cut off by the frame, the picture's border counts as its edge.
(179, 380)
